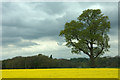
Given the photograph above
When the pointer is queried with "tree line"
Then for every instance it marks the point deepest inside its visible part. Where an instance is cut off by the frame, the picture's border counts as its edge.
(41, 61)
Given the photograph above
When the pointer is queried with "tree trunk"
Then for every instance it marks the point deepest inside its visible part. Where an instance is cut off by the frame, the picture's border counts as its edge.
(92, 62)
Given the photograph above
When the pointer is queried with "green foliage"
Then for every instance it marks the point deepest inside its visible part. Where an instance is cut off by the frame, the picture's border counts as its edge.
(36, 62)
(41, 61)
(109, 62)
(88, 34)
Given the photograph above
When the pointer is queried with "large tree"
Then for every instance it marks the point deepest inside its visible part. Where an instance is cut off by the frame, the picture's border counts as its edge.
(88, 34)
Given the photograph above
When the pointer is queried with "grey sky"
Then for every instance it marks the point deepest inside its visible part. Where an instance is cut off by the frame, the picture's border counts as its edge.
(33, 28)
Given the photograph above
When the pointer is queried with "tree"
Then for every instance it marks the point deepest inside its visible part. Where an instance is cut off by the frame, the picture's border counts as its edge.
(88, 34)
(51, 56)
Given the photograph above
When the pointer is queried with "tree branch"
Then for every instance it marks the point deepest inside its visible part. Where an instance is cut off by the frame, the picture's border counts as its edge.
(84, 51)
(87, 44)
(99, 52)
(81, 49)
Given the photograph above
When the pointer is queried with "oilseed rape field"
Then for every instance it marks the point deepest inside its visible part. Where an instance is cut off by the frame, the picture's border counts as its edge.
(61, 73)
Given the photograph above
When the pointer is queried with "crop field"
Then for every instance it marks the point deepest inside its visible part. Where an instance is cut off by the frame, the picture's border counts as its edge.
(61, 73)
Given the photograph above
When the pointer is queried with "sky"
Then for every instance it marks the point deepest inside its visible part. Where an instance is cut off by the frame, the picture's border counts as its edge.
(32, 28)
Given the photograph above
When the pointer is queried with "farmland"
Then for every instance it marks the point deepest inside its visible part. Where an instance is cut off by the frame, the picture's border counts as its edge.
(61, 73)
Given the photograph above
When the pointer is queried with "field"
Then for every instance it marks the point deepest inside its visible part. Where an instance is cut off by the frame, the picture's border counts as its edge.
(61, 73)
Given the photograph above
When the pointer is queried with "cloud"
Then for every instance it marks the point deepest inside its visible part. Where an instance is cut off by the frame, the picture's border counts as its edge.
(45, 46)
(33, 27)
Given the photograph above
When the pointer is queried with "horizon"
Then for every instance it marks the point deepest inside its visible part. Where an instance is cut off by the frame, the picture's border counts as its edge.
(23, 33)
(57, 58)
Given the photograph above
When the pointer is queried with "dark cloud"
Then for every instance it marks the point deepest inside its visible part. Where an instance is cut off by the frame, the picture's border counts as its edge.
(25, 44)
(50, 8)
(8, 40)
(32, 21)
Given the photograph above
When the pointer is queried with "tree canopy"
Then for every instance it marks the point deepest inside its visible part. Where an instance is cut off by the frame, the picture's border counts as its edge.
(88, 34)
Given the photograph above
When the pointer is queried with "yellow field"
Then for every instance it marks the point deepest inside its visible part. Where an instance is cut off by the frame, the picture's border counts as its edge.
(61, 73)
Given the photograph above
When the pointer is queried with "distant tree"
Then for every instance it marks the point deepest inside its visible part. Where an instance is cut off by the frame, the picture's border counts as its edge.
(88, 34)
(51, 56)
(42, 61)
